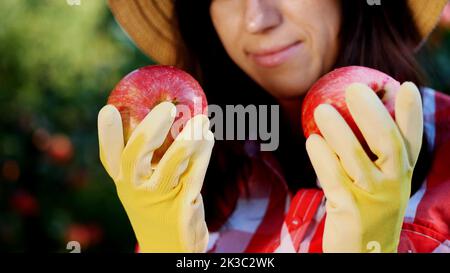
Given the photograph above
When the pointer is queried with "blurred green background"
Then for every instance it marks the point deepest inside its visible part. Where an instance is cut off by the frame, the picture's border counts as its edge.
(58, 64)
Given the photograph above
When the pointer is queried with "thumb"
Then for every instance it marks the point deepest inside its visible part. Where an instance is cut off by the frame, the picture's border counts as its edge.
(409, 118)
(110, 136)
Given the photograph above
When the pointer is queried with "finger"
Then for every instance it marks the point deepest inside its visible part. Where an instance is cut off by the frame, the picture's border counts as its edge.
(409, 117)
(110, 135)
(177, 159)
(343, 141)
(332, 177)
(199, 161)
(148, 136)
(378, 128)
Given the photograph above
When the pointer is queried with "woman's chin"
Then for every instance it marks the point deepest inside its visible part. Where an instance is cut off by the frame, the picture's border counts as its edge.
(289, 87)
(289, 81)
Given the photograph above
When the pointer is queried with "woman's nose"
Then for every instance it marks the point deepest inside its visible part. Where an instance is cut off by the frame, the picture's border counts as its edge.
(261, 15)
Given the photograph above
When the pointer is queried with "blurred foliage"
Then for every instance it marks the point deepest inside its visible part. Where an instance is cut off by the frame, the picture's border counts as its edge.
(435, 58)
(58, 64)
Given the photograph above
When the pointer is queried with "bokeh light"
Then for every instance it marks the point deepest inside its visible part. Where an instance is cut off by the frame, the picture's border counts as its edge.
(11, 170)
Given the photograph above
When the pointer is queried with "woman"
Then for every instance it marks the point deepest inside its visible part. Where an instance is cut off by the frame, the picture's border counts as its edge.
(265, 52)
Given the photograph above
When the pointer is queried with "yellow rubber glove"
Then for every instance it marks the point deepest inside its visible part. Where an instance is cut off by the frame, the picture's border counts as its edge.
(366, 200)
(164, 204)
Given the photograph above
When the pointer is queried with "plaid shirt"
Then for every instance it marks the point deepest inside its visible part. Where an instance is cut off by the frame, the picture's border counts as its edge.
(272, 219)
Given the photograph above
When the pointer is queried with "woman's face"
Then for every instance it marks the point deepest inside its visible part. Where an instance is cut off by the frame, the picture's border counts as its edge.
(284, 45)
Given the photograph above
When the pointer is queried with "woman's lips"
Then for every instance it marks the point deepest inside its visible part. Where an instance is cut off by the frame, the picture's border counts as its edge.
(275, 56)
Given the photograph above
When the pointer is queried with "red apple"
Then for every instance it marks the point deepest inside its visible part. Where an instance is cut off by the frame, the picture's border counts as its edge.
(330, 89)
(143, 89)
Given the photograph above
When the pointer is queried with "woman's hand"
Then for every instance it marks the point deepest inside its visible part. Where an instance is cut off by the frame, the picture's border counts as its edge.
(164, 205)
(366, 201)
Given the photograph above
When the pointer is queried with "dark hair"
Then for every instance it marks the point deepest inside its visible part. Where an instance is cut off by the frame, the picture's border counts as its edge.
(382, 37)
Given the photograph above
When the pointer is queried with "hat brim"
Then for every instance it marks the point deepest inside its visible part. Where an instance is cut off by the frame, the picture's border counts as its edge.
(427, 15)
(151, 25)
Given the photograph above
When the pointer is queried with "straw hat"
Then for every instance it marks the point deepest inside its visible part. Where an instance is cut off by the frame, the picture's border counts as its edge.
(151, 25)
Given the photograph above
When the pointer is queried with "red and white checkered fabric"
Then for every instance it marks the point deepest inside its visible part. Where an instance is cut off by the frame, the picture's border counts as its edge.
(271, 219)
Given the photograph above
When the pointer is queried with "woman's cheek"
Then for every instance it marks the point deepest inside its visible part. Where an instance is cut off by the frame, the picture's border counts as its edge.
(227, 25)
(320, 22)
